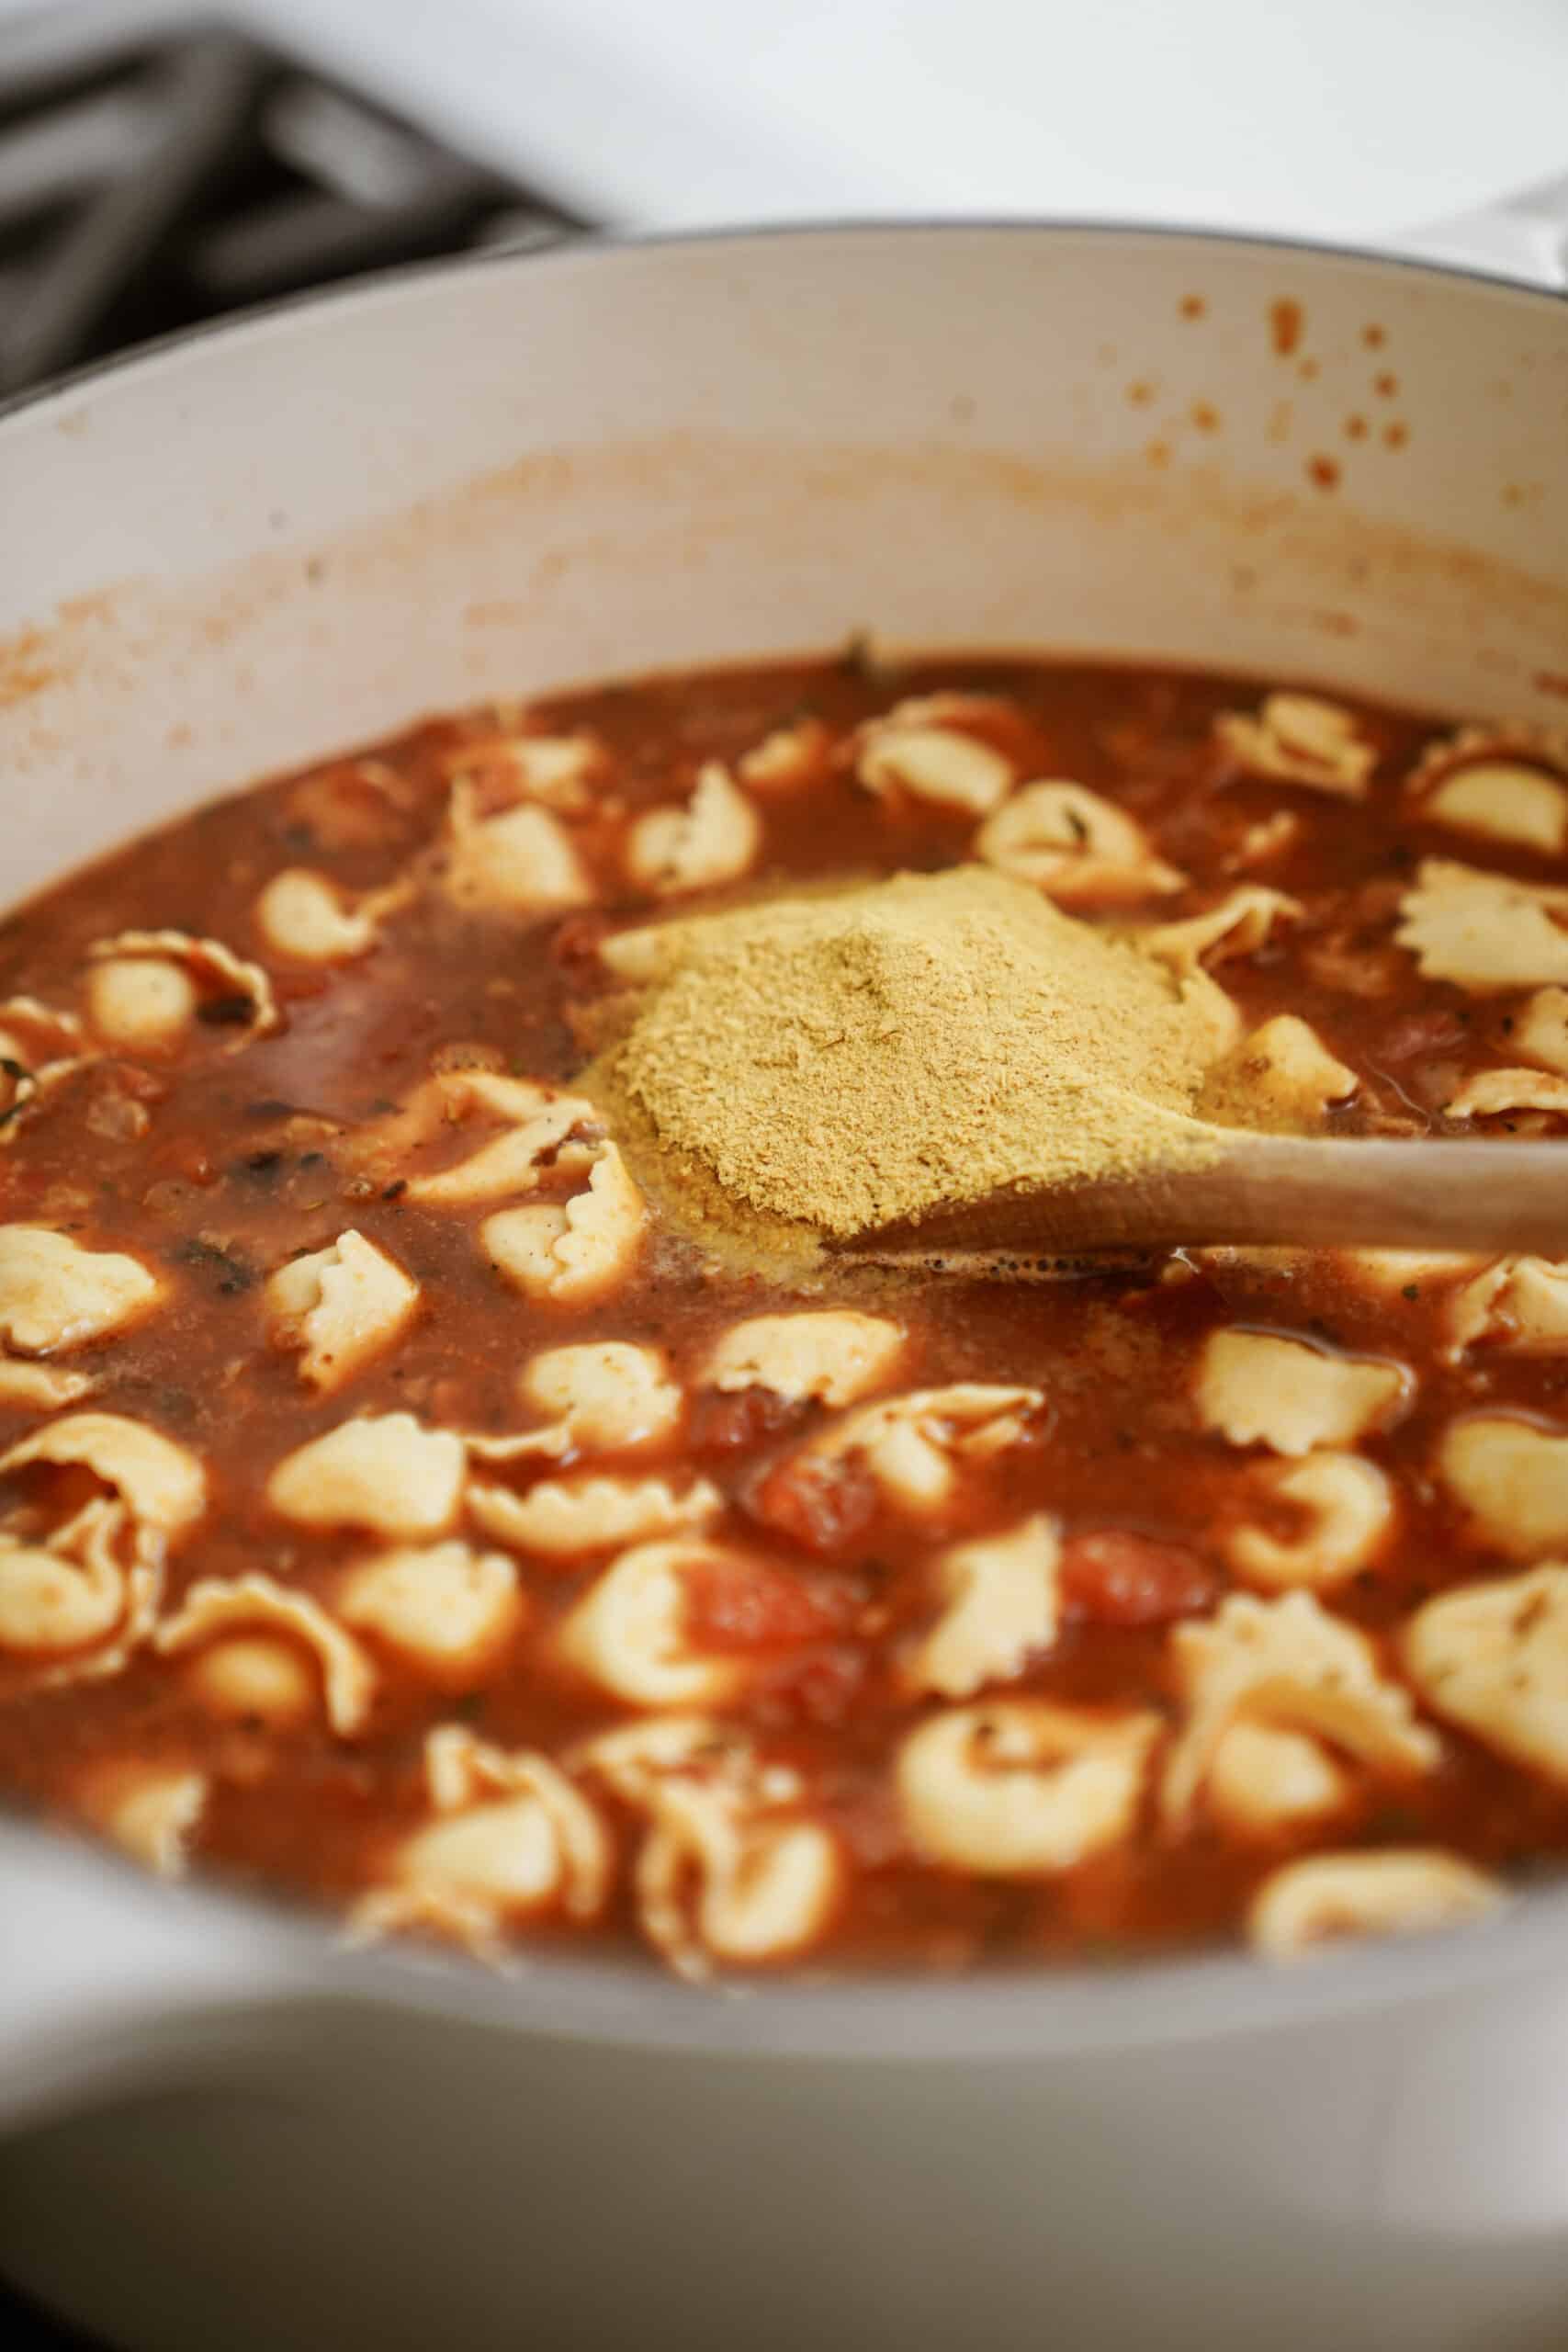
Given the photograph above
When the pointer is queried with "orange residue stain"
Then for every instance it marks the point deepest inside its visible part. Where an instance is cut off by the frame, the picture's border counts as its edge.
(1324, 472)
(1193, 306)
(1355, 428)
(1512, 494)
(1338, 624)
(1205, 418)
(1373, 337)
(1395, 435)
(1550, 682)
(1141, 394)
(1285, 323)
(493, 612)
(97, 606)
(1157, 453)
(1385, 384)
(1307, 371)
(23, 669)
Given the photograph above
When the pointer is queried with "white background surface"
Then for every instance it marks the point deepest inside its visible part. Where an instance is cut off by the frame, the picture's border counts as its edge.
(1348, 117)
(1344, 117)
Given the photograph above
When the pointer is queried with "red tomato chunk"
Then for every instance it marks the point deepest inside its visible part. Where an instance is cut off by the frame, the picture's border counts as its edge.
(822, 1505)
(1119, 1578)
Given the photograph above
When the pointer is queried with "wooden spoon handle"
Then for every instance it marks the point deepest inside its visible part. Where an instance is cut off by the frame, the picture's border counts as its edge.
(1279, 1189)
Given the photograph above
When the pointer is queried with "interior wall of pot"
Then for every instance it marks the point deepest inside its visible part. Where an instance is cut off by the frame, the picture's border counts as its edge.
(277, 542)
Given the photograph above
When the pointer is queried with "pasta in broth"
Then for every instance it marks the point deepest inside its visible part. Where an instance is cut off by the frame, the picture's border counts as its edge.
(402, 1505)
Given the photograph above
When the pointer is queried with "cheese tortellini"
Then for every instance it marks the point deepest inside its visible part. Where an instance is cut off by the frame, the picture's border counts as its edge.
(54, 1293)
(1287, 1663)
(1396, 1891)
(789, 757)
(1300, 739)
(1281, 1075)
(509, 1836)
(601, 1396)
(1492, 1094)
(913, 1445)
(386, 1472)
(1494, 1659)
(1265, 1779)
(1001, 1604)
(159, 1488)
(1486, 933)
(559, 1517)
(1345, 1508)
(714, 839)
(446, 1608)
(306, 916)
(145, 989)
(41, 1388)
(38, 1048)
(1017, 1788)
(1254, 1388)
(913, 751)
(1520, 1303)
(629, 1632)
(728, 1869)
(267, 1652)
(151, 1811)
(1075, 846)
(1541, 1029)
(1241, 923)
(70, 1594)
(521, 860)
(78, 1595)
(833, 1357)
(1512, 1479)
(573, 1252)
(1510, 786)
(539, 1121)
(557, 771)
(339, 1307)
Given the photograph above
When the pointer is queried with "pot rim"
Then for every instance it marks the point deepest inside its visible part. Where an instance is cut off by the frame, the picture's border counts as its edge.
(258, 1949)
(1045, 2014)
(601, 248)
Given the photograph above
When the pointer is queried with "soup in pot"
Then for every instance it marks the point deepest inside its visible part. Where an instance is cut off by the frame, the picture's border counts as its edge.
(436, 1483)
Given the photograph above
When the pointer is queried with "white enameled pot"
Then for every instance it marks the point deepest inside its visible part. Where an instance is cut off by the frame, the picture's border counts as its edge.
(269, 542)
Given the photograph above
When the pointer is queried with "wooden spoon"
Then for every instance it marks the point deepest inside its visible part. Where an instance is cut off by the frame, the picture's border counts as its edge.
(1292, 1190)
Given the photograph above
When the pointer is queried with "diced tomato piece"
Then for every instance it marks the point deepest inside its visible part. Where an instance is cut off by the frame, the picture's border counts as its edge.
(823, 1505)
(1120, 1579)
(746, 1605)
(491, 779)
(727, 1422)
(821, 1688)
(297, 987)
(354, 806)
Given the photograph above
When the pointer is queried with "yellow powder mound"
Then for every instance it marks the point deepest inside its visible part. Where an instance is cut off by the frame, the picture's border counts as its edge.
(844, 1061)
